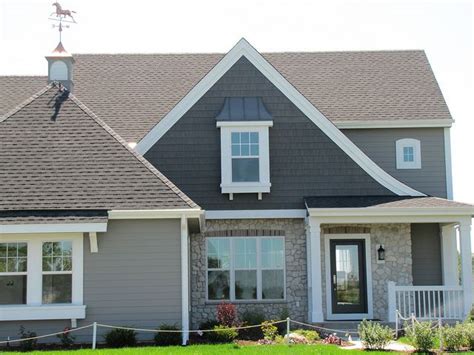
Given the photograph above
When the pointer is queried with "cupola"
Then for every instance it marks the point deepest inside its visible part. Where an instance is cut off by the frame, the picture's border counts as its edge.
(61, 67)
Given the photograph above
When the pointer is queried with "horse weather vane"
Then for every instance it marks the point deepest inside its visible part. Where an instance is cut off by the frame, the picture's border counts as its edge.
(62, 16)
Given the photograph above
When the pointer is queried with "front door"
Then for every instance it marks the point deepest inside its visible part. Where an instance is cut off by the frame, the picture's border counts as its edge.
(348, 276)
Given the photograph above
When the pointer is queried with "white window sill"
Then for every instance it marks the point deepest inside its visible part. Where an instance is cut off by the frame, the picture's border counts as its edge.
(245, 187)
(279, 301)
(43, 312)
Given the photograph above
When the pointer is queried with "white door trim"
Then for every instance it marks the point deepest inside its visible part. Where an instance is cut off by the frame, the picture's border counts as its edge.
(327, 263)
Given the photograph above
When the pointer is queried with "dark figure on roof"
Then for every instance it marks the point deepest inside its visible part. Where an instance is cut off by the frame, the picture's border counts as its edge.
(60, 12)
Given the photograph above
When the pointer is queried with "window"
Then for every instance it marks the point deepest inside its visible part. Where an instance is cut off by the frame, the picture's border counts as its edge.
(41, 276)
(13, 272)
(246, 268)
(408, 153)
(57, 272)
(58, 71)
(245, 161)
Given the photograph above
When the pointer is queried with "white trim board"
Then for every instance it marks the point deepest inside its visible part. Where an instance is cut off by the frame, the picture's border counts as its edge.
(448, 164)
(368, 264)
(53, 228)
(371, 124)
(255, 214)
(243, 48)
(155, 214)
(391, 212)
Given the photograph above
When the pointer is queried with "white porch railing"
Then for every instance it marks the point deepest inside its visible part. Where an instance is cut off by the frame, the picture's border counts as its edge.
(426, 302)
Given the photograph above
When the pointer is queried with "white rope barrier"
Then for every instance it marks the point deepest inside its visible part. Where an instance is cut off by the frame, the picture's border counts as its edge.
(95, 325)
(187, 331)
(322, 328)
(45, 335)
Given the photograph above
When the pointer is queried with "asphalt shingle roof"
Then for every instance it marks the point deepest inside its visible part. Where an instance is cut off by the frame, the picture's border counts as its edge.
(382, 201)
(133, 92)
(55, 154)
(42, 217)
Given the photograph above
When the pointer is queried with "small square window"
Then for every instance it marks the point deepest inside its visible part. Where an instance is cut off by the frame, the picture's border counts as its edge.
(408, 153)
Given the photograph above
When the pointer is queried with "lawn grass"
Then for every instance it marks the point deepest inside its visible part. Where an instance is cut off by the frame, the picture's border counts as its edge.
(216, 349)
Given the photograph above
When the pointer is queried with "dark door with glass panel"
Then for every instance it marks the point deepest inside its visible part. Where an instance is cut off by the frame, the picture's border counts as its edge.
(348, 276)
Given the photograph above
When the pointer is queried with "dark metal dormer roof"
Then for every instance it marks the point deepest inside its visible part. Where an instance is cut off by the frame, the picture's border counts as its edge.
(244, 109)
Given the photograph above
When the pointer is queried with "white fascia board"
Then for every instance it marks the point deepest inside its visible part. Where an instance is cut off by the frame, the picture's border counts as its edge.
(244, 124)
(390, 211)
(448, 163)
(155, 214)
(255, 214)
(243, 48)
(43, 312)
(369, 124)
(53, 228)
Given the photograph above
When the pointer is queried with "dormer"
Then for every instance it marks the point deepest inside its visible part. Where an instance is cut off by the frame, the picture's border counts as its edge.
(244, 123)
(61, 67)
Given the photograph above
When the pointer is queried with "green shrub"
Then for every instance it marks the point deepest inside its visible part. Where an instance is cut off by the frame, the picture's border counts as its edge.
(269, 330)
(422, 336)
(469, 330)
(27, 345)
(454, 337)
(284, 313)
(168, 338)
(373, 335)
(66, 338)
(252, 318)
(120, 338)
(310, 335)
(222, 334)
(208, 324)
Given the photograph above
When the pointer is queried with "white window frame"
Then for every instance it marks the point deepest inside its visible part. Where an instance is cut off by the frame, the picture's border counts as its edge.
(34, 308)
(259, 269)
(227, 185)
(401, 144)
(17, 273)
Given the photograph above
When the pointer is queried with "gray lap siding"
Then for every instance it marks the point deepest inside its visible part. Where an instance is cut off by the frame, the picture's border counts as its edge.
(134, 279)
(379, 145)
(303, 160)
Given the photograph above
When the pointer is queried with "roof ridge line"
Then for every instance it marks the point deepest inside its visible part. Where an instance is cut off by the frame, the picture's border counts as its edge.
(26, 102)
(139, 157)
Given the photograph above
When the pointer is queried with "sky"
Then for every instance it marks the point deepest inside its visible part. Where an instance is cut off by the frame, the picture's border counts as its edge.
(444, 29)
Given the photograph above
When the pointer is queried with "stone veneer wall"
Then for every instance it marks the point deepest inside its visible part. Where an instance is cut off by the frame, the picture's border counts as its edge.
(296, 302)
(398, 259)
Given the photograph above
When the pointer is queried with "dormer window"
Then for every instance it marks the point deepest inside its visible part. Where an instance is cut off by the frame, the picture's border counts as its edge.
(245, 157)
(408, 153)
(244, 123)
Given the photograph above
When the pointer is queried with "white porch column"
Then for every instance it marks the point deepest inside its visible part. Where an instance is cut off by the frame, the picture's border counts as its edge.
(315, 273)
(466, 263)
(184, 280)
(449, 255)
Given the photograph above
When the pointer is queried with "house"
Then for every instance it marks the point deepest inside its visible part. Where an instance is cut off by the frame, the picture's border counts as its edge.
(140, 189)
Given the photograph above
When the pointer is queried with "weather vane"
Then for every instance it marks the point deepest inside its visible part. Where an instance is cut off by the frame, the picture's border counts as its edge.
(62, 16)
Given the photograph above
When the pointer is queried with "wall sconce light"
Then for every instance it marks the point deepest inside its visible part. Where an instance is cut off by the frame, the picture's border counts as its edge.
(380, 254)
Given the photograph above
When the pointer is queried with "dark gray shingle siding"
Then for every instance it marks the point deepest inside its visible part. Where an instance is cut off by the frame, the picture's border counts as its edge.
(303, 160)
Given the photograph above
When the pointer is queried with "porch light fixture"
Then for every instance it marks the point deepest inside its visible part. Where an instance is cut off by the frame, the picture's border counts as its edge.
(381, 254)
